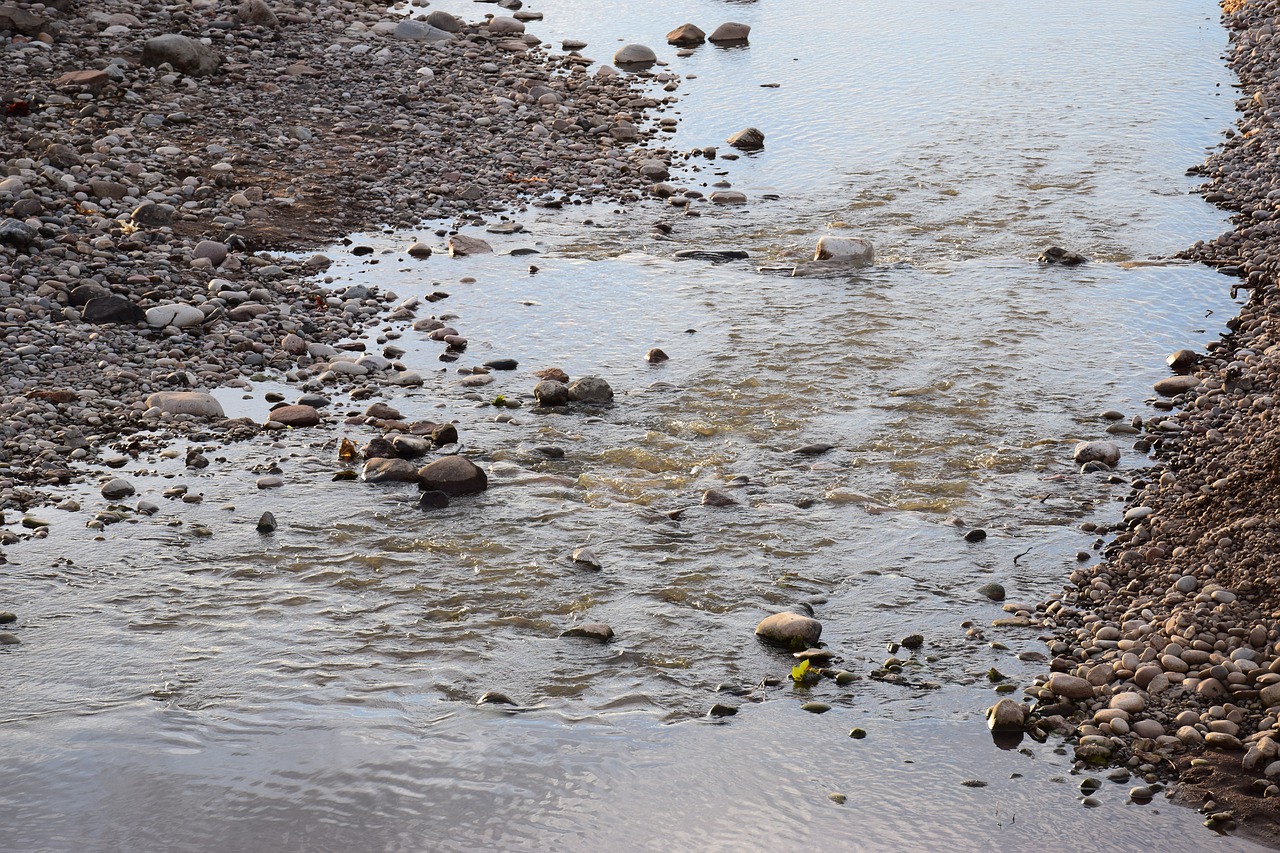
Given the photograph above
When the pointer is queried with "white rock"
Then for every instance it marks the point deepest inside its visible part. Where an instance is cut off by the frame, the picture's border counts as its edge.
(174, 314)
(186, 403)
(854, 251)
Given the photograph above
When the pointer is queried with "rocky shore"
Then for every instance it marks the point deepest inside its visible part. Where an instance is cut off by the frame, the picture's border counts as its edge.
(1167, 652)
(156, 155)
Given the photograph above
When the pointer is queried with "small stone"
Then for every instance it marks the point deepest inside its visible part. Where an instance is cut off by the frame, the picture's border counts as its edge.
(857, 734)
(7, 639)
(722, 710)
(975, 535)
(815, 707)
(656, 356)
(266, 523)
(271, 481)
(587, 557)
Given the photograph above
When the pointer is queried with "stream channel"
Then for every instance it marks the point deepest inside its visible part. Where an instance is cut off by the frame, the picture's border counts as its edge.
(316, 689)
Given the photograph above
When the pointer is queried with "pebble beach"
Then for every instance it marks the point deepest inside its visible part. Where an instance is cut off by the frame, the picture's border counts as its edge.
(148, 189)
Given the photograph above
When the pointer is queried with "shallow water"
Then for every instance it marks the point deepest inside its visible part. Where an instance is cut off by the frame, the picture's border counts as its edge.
(315, 688)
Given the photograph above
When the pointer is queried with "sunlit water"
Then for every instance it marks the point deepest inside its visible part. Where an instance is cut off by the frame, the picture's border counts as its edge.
(314, 689)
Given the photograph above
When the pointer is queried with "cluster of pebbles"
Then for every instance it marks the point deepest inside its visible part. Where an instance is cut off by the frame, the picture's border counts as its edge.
(155, 153)
(1167, 652)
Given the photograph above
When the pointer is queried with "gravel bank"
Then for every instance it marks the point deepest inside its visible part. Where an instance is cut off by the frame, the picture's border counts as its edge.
(1167, 653)
(154, 154)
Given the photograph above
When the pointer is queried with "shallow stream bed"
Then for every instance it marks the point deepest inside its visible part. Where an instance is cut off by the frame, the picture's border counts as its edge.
(185, 682)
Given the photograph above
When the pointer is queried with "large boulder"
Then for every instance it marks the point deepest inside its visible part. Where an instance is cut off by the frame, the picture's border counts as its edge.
(184, 54)
(453, 475)
(186, 403)
(789, 629)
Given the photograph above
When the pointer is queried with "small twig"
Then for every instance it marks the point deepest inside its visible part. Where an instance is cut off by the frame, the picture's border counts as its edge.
(1020, 556)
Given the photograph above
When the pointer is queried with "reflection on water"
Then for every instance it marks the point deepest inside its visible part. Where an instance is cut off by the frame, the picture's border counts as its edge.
(315, 688)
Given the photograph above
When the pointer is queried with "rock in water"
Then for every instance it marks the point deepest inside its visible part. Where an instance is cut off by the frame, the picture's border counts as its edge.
(453, 475)
(1061, 257)
(550, 393)
(748, 139)
(461, 245)
(1172, 386)
(597, 631)
(1006, 716)
(295, 416)
(686, 35)
(730, 33)
(790, 630)
(846, 250)
(184, 54)
(433, 500)
(266, 523)
(634, 56)
(117, 488)
(389, 470)
(1106, 452)
(589, 389)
